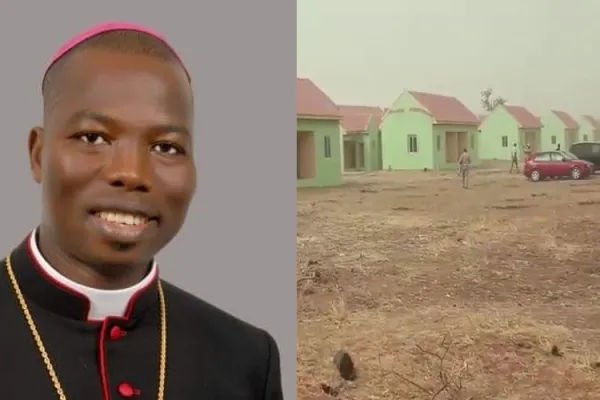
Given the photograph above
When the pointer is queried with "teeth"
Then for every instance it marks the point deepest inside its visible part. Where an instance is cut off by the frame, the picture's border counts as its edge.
(122, 218)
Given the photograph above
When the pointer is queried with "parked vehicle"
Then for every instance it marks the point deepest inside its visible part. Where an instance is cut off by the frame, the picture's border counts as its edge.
(556, 164)
(588, 151)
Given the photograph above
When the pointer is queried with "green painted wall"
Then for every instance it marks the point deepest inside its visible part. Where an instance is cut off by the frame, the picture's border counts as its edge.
(552, 126)
(586, 130)
(499, 123)
(396, 128)
(374, 147)
(440, 159)
(341, 148)
(328, 170)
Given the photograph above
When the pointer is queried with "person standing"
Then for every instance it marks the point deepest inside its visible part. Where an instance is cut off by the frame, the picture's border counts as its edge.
(86, 314)
(528, 151)
(464, 163)
(514, 159)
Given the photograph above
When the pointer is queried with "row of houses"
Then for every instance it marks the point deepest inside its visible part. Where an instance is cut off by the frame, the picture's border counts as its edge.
(418, 131)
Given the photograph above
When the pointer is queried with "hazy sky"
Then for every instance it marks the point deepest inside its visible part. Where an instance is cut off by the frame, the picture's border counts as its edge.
(544, 54)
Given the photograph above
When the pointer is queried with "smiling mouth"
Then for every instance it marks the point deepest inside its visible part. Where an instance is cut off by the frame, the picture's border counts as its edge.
(123, 218)
(123, 227)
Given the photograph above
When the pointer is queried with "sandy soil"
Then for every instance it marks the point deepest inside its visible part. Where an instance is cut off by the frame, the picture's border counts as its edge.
(487, 293)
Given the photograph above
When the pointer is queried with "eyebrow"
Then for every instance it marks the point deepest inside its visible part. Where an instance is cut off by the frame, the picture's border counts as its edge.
(106, 120)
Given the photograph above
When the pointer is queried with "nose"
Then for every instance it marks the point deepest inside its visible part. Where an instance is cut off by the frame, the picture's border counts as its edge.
(128, 168)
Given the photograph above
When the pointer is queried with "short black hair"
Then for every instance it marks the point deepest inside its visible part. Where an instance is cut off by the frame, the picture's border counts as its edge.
(118, 41)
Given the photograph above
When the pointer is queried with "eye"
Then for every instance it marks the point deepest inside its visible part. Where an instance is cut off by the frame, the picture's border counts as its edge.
(169, 149)
(92, 138)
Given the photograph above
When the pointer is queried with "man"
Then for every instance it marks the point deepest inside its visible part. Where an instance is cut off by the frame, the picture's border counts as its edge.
(85, 313)
(464, 163)
(558, 147)
(514, 163)
(528, 151)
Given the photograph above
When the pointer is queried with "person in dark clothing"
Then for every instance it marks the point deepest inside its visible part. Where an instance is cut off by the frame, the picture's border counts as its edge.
(86, 315)
(558, 147)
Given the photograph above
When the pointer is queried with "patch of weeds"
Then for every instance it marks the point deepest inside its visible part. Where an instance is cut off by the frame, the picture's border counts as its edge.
(588, 202)
(401, 208)
(511, 206)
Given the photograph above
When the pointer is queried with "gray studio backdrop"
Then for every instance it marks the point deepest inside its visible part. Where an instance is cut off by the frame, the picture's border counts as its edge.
(237, 248)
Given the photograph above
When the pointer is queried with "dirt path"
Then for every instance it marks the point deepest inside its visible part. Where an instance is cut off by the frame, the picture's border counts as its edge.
(398, 268)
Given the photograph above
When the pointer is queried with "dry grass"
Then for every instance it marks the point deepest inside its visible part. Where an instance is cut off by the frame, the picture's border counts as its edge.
(488, 293)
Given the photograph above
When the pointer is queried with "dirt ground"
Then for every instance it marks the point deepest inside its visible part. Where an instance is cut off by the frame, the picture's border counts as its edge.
(488, 293)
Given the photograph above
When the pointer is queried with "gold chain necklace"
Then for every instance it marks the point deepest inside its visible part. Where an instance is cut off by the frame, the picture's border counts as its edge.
(42, 349)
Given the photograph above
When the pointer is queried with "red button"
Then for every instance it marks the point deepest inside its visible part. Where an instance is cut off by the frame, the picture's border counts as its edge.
(117, 333)
(127, 391)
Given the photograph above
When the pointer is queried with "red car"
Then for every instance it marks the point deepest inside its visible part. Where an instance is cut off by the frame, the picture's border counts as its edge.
(556, 164)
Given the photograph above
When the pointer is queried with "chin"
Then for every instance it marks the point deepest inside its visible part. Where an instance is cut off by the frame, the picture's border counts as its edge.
(119, 254)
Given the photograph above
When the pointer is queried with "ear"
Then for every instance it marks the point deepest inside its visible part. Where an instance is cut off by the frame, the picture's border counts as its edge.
(35, 144)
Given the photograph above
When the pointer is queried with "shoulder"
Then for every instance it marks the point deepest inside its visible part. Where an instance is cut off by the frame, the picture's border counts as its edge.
(205, 332)
(211, 324)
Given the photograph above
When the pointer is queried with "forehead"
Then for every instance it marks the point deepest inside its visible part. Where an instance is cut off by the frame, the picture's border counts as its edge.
(126, 86)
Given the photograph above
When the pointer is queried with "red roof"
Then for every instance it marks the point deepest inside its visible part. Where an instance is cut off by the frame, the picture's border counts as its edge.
(446, 109)
(355, 119)
(566, 119)
(524, 117)
(595, 123)
(312, 102)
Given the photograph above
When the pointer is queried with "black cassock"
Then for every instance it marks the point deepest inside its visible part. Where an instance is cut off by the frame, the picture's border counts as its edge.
(210, 354)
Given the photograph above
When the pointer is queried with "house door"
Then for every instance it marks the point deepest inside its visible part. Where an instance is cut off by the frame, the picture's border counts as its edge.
(306, 167)
(360, 154)
(349, 154)
(462, 142)
(451, 147)
(530, 138)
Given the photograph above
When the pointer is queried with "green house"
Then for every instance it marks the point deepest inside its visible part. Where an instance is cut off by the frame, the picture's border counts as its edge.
(558, 129)
(427, 131)
(362, 138)
(319, 137)
(589, 129)
(504, 126)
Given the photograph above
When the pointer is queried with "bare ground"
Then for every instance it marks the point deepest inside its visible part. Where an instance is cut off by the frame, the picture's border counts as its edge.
(487, 293)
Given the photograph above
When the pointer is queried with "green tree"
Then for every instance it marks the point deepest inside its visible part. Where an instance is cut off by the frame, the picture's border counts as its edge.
(488, 102)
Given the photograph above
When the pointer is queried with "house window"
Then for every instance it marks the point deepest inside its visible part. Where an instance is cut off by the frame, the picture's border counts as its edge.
(504, 141)
(585, 138)
(412, 144)
(553, 139)
(472, 142)
(327, 147)
(439, 142)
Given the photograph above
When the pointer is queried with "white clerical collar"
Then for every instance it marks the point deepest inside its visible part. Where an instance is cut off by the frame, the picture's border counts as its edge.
(103, 303)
